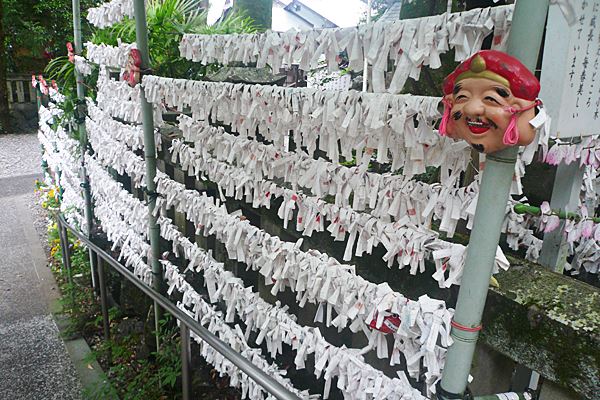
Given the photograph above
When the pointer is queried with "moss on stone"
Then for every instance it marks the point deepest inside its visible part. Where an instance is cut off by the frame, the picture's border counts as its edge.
(549, 323)
(565, 300)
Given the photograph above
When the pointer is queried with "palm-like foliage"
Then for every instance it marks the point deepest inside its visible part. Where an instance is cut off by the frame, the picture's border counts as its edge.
(62, 71)
(167, 21)
(233, 23)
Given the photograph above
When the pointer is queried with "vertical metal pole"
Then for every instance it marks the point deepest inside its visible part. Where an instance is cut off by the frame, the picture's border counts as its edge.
(38, 103)
(141, 35)
(89, 216)
(67, 252)
(103, 298)
(78, 46)
(66, 256)
(186, 362)
(366, 64)
(523, 43)
(64, 243)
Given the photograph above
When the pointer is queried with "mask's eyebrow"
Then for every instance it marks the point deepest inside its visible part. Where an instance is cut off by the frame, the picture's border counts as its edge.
(502, 92)
(456, 88)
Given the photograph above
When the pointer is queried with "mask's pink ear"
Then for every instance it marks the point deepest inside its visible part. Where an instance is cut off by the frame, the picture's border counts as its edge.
(511, 135)
(443, 130)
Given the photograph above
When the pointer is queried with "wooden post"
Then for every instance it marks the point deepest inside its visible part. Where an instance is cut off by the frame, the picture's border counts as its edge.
(20, 91)
(9, 92)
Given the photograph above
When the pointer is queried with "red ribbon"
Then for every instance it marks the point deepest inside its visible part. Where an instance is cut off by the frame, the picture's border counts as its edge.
(465, 328)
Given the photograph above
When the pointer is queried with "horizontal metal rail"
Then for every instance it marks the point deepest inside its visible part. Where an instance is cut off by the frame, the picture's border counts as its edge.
(261, 378)
(505, 396)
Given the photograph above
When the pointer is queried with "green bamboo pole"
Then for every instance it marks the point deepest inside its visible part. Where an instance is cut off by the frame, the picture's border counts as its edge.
(532, 210)
(141, 35)
(89, 216)
(524, 43)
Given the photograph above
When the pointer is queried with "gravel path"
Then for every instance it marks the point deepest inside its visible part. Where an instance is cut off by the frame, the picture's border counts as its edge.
(19, 155)
(34, 362)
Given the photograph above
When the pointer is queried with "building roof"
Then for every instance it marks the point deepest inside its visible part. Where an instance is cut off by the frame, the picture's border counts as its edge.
(304, 14)
(304, 11)
(307, 14)
(284, 20)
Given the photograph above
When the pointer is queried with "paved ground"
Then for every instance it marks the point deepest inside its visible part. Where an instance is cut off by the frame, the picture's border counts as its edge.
(34, 363)
(19, 155)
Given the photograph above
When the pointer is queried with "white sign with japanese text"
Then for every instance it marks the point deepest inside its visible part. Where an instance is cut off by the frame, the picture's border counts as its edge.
(570, 71)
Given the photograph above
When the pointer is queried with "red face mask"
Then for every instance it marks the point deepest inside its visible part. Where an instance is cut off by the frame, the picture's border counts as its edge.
(132, 70)
(481, 108)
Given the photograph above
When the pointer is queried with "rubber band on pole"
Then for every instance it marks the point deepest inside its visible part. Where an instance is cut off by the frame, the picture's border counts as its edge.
(465, 328)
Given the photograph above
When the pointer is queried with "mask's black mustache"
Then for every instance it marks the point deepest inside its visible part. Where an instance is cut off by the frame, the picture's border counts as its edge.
(457, 115)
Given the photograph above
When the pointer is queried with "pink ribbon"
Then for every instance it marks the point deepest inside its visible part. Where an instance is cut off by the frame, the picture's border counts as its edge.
(443, 130)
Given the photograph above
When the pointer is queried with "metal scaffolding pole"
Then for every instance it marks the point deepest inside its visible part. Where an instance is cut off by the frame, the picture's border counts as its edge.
(89, 216)
(524, 43)
(141, 35)
(365, 85)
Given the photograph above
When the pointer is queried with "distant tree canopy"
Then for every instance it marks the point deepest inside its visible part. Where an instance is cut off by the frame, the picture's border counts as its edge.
(423, 8)
(261, 11)
(429, 83)
(37, 30)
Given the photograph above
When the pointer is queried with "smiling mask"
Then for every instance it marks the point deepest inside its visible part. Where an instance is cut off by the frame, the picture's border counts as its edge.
(489, 100)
